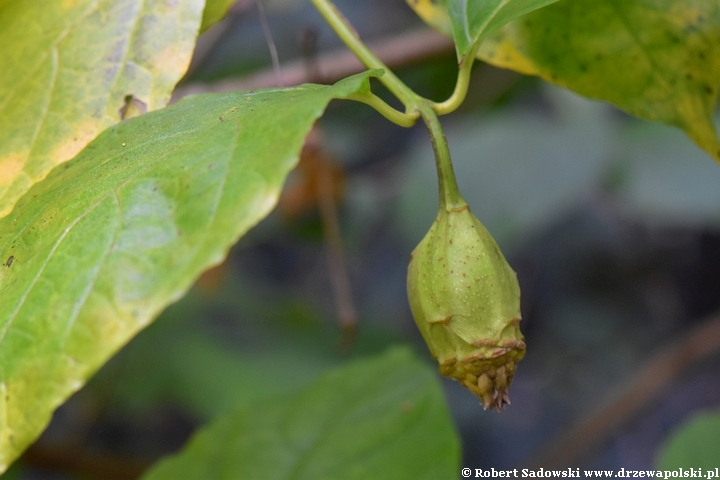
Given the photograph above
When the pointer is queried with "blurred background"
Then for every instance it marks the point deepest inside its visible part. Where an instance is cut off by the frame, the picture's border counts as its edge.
(613, 225)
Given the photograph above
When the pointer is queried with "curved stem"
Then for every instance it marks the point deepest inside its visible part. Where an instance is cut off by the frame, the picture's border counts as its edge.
(395, 116)
(407, 96)
(450, 197)
(352, 40)
(461, 86)
(415, 105)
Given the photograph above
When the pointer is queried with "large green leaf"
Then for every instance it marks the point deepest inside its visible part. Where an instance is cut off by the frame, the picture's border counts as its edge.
(94, 252)
(67, 67)
(468, 21)
(656, 59)
(696, 444)
(381, 418)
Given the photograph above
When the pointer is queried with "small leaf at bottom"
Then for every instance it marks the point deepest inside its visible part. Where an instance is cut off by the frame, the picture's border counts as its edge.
(380, 418)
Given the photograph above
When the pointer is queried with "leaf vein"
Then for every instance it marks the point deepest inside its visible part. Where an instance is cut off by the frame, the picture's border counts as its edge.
(657, 71)
(35, 279)
(86, 293)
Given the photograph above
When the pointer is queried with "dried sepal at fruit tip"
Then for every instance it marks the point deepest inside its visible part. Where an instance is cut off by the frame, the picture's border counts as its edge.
(465, 300)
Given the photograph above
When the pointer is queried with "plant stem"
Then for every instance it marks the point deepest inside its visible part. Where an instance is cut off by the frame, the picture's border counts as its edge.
(395, 116)
(461, 86)
(450, 198)
(352, 40)
(415, 105)
(407, 96)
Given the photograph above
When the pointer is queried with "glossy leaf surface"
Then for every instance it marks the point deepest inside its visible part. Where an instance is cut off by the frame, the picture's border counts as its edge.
(383, 417)
(93, 253)
(67, 67)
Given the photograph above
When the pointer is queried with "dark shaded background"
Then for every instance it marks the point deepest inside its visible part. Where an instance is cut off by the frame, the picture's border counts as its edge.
(612, 224)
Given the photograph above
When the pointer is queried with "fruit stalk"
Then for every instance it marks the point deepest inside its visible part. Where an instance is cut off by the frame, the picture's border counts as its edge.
(464, 296)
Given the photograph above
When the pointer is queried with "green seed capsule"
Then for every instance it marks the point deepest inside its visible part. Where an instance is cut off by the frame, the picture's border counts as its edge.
(466, 302)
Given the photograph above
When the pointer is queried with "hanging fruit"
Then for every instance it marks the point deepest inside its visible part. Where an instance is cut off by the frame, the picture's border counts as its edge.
(465, 298)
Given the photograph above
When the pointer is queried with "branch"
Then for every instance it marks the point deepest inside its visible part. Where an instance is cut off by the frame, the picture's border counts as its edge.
(399, 51)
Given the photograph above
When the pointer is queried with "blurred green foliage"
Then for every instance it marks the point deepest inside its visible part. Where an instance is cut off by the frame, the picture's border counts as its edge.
(694, 444)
